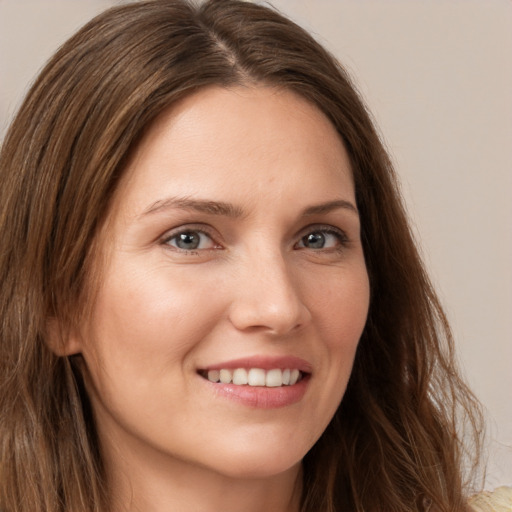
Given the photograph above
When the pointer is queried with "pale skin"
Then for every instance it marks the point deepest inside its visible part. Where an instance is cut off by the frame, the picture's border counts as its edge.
(234, 234)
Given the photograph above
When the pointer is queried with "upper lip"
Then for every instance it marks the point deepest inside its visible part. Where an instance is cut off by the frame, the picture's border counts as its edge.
(263, 362)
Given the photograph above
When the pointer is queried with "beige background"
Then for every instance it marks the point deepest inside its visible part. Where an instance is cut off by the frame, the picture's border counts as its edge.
(438, 77)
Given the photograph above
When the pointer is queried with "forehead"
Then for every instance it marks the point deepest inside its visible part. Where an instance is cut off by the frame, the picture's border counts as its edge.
(234, 142)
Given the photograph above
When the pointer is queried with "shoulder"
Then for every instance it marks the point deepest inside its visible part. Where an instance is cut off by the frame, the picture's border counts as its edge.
(499, 500)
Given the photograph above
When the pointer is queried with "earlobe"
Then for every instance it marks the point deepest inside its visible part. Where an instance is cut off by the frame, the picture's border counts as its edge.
(61, 341)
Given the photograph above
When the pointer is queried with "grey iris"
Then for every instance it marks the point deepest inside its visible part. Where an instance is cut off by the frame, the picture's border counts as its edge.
(188, 241)
(314, 240)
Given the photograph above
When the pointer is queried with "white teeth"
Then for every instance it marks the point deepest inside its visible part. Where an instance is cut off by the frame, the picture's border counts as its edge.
(274, 378)
(226, 376)
(240, 377)
(213, 375)
(255, 377)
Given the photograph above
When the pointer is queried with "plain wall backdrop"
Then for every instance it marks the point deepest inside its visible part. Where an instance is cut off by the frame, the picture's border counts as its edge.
(437, 76)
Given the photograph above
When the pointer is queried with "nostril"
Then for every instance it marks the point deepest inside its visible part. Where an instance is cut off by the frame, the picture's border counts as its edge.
(259, 314)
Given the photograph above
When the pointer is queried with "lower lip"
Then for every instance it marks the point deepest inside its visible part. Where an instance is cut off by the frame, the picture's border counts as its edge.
(261, 397)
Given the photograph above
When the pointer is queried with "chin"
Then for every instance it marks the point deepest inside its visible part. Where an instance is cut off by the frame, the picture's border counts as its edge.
(260, 469)
(257, 461)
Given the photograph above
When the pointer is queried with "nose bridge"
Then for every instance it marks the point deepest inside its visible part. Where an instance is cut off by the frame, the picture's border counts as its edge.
(268, 294)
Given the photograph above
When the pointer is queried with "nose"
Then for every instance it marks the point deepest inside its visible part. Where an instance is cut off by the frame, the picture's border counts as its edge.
(267, 297)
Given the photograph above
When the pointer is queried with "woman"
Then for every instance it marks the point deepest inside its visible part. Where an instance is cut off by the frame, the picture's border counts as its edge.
(211, 298)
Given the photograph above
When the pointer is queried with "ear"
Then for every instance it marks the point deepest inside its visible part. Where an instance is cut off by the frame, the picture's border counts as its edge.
(60, 340)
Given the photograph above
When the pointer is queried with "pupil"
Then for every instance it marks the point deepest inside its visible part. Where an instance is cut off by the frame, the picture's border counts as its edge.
(188, 241)
(315, 240)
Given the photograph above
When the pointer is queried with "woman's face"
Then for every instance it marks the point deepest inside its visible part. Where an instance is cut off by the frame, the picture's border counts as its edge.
(233, 252)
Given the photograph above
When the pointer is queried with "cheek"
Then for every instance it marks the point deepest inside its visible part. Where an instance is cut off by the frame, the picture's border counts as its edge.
(144, 321)
(341, 313)
(339, 310)
(341, 307)
(140, 344)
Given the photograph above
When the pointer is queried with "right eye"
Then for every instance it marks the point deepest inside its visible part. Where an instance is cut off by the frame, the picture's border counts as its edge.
(190, 240)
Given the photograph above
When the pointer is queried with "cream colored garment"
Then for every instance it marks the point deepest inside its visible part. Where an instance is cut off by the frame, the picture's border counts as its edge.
(499, 500)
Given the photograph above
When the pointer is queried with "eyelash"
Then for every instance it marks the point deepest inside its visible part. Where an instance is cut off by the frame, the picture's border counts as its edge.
(310, 230)
(189, 230)
(340, 235)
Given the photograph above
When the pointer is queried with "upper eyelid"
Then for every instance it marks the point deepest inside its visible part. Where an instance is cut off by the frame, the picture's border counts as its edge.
(200, 228)
(322, 227)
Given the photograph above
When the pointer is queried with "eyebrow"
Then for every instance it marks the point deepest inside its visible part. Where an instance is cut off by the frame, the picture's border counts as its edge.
(199, 205)
(224, 209)
(330, 206)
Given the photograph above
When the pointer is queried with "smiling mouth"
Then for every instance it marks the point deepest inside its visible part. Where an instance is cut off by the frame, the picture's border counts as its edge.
(256, 377)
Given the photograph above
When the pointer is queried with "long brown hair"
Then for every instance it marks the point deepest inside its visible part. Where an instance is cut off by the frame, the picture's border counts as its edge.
(395, 443)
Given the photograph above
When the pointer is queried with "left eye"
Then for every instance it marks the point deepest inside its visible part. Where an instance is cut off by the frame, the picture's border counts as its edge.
(321, 239)
(190, 241)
